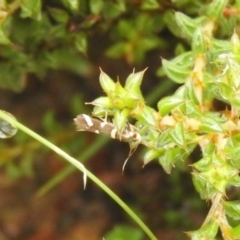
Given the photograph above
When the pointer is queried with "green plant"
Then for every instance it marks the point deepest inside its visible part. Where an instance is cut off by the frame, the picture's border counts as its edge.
(210, 70)
(57, 38)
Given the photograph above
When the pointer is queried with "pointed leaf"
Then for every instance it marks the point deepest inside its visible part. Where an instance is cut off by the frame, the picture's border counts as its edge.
(208, 231)
(107, 84)
(96, 6)
(235, 180)
(235, 232)
(81, 43)
(133, 83)
(232, 209)
(187, 24)
(73, 5)
(166, 163)
(31, 9)
(210, 125)
(167, 104)
(175, 72)
(215, 9)
(235, 43)
(59, 15)
(150, 5)
(145, 114)
(198, 41)
(152, 154)
(178, 135)
(203, 164)
(205, 189)
(103, 102)
(102, 112)
(185, 60)
(120, 119)
(170, 157)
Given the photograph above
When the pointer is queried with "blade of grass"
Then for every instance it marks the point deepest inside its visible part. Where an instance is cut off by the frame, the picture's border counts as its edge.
(63, 174)
(45, 142)
(80, 166)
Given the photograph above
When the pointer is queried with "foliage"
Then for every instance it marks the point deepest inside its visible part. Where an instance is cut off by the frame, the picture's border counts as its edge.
(210, 70)
(122, 232)
(36, 37)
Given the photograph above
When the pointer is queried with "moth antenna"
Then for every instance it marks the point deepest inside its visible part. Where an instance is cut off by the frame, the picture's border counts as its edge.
(125, 162)
(131, 152)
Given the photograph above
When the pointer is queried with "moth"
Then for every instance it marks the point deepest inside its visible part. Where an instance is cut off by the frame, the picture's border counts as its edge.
(87, 123)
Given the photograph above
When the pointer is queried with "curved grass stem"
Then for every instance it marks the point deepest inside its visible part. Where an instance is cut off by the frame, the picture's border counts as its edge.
(81, 167)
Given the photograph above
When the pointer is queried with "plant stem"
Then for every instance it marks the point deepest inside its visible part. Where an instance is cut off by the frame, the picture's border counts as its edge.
(80, 166)
(214, 208)
(63, 174)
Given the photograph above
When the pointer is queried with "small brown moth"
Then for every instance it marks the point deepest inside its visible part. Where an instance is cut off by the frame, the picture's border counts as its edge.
(87, 123)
